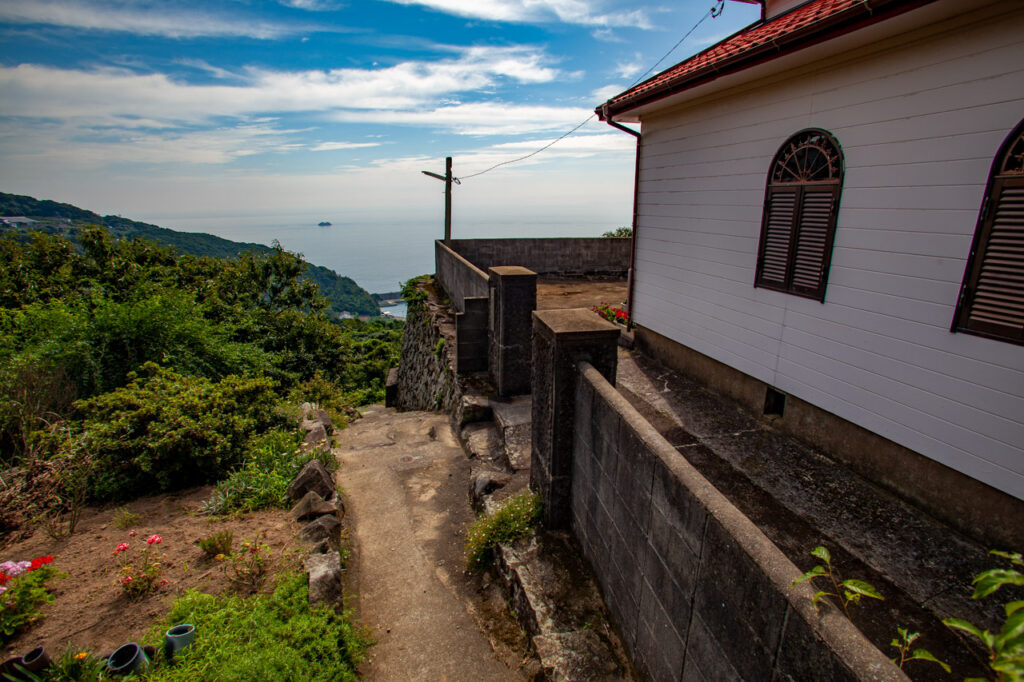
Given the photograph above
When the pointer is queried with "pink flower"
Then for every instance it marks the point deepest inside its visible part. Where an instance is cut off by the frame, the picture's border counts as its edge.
(164, 581)
(121, 547)
(127, 579)
(154, 539)
(132, 533)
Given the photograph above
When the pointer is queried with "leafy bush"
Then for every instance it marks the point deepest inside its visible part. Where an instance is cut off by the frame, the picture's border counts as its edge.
(513, 521)
(275, 636)
(272, 462)
(166, 431)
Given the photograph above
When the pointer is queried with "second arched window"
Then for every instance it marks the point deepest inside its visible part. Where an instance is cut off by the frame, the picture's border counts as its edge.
(799, 222)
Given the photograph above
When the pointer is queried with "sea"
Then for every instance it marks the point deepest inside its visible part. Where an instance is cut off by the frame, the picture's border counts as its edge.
(379, 256)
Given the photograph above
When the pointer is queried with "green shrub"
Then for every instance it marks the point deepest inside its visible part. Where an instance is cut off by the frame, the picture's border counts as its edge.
(513, 521)
(166, 431)
(271, 463)
(218, 543)
(125, 518)
(264, 637)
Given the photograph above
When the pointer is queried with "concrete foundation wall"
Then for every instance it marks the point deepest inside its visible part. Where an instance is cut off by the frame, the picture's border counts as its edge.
(459, 278)
(558, 256)
(977, 510)
(698, 592)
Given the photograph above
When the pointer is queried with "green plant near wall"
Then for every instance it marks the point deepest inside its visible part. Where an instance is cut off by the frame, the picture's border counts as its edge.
(413, 294)
(849, 591)
(514, 520)
(439, 348)
(1006, 647)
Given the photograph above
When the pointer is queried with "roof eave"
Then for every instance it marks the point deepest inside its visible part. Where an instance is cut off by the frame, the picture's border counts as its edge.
(861, 15)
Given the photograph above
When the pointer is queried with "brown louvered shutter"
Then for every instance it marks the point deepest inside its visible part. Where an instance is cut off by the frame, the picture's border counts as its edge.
(799, 220)
(814, 233)
(773, 260)
(993, 299)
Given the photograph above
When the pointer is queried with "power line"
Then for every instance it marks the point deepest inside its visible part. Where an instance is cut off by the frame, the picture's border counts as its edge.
(715, 11)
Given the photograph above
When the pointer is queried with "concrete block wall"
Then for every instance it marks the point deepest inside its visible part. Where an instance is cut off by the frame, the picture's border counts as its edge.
(471, 336)
(459, 278)
(569, 256)
(698, 592)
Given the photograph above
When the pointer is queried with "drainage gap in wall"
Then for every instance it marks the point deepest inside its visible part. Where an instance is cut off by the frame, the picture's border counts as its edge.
(774, 402)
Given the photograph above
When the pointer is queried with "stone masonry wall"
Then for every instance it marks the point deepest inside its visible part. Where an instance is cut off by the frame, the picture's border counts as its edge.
(426, 374)
(698, 592)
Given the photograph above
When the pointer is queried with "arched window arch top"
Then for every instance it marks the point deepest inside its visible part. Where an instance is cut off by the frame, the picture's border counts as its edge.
(1013, 161)
(810, 156)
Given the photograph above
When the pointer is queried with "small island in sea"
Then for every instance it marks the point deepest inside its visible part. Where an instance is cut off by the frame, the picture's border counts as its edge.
(323, 223)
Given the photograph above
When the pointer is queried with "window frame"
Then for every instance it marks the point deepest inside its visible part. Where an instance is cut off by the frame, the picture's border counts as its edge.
(987, 215)
(790, 283)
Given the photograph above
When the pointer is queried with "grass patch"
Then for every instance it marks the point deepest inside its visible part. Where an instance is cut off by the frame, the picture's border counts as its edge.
(513, 521)
(274, 636)
(271, 464)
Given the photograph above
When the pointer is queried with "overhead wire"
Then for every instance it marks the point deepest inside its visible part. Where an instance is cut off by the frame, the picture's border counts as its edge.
(715, 11)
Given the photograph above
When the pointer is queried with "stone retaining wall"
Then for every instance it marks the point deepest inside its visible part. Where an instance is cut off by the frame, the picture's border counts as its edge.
(426, 372)
(696, 588)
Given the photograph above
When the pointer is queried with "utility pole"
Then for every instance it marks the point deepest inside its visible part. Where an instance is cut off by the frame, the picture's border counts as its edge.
(448, 179)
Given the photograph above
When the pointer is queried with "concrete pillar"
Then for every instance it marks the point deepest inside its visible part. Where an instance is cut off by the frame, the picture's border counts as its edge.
(513, 293)
(560, 339)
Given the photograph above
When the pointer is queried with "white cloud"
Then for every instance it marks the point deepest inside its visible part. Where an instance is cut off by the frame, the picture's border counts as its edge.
(607, 92)
(527, 11)
(109, 95)
(311, 5)
(628, 69)
(335, 146)
(141, 18)
(477, 118)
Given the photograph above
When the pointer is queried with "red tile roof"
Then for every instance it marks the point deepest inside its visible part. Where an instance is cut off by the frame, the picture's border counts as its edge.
(809, 23)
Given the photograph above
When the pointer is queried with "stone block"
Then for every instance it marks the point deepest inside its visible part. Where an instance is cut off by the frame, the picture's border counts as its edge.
(317, 438)
(391, 388)
(324, 528)
(311, 506)
(325, 582)
(312, 477)
(661, 583)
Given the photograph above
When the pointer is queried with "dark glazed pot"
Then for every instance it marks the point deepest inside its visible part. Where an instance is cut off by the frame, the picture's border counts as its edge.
(129, 658)
(36, 660)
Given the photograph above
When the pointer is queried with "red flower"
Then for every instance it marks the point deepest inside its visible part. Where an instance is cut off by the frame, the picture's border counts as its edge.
(154, 539)
(121, 547)
(132, 533)
(39, 561)
(4, 578)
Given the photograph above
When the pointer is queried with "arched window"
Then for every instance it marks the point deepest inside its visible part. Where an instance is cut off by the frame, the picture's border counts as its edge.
(800, 206)
(991, 299)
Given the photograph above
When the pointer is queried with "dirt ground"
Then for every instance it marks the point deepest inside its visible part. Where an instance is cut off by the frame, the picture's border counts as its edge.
(91, 610)
(555, 293)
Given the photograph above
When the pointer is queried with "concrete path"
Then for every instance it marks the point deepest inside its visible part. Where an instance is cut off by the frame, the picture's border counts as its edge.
(406, 479)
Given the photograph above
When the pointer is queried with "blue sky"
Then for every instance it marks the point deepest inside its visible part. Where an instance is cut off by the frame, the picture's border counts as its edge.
(165, 109)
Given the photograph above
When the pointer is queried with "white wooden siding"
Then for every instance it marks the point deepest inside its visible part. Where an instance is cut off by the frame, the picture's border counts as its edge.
(919, 118)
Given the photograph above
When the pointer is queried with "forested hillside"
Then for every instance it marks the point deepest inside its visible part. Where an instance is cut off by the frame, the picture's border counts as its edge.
(144, 370)
(54, 218)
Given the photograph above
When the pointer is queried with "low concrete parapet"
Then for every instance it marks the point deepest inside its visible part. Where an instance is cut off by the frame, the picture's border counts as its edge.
(698, 591)
(563, 256)
(459, 277)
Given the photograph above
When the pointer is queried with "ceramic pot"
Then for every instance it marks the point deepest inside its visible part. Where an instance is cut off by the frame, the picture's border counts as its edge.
(129, 658)
(36, 660)
(7, 669)
(179, 637)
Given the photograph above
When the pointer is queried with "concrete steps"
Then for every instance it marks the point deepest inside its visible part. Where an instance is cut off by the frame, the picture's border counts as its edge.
(548, 584)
